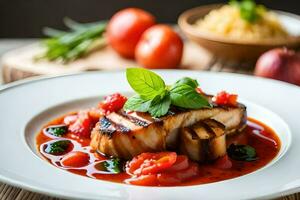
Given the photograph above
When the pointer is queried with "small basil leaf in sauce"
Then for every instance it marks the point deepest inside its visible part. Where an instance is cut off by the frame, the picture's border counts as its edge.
(58, 147)
(242, 152)
(57, 131)
(112, 165)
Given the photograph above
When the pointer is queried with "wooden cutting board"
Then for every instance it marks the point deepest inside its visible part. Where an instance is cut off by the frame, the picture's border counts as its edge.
(21, 63)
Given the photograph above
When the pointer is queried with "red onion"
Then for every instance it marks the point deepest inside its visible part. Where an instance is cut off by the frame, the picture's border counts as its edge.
(281, 64)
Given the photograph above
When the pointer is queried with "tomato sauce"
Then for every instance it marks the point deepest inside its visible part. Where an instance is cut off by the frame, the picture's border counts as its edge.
(256, 134)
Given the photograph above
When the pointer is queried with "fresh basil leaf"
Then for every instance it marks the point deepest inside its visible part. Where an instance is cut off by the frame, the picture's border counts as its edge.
(57, 131)
(113, 166)
(145, 82)
(136, 103)
(188, 81)
(185, 96)
(242, 152)
(58, 147)
(249, 10)
(160, 107)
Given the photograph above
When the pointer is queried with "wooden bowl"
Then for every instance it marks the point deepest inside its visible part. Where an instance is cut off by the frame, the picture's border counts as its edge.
(229, 49)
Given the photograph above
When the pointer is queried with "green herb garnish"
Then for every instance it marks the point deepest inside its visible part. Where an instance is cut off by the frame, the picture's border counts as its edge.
(188, 81)
(57, 131)
(145, 82)
(160, 106)
(242, 152)
(58, 147)
(156, 98)
(112, 165)
(68, 46)
(185, 96)
(249, 10)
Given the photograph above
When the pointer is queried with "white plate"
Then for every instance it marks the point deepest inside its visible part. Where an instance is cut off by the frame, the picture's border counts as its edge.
(24, 107)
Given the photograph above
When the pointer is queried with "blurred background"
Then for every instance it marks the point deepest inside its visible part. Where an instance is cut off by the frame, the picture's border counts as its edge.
(20, 19)
(231, 41)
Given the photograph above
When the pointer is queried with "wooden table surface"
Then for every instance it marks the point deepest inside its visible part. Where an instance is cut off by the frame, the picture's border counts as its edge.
(8, 192)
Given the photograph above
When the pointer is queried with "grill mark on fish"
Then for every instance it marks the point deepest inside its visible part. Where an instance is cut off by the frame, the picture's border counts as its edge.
(216, 127)
(106, 127)
(134, 120)
(122, 128)
(214, 123)
(193, 134)
(109, 127)
(208, 129)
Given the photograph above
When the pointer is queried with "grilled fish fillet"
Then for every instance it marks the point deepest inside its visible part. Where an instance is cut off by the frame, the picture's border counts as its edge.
(205, 140)
(125, 135)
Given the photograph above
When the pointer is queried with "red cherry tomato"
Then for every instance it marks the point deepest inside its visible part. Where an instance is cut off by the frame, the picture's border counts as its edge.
(143, 180)
(159, 47)
(75, 159)
(136, 162)
(112, 103)
(82, 126)
(125, 29)
(224, 98)
(151, 163)
(223, 162)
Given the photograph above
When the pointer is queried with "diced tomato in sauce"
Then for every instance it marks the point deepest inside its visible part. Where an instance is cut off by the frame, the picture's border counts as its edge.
(80, 124)
(224, 98)
(112, 103)
(163, 168)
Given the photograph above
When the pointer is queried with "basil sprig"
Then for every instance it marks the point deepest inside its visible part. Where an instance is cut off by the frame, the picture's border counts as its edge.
(249, 10)
(242, 152)
(155, 97)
